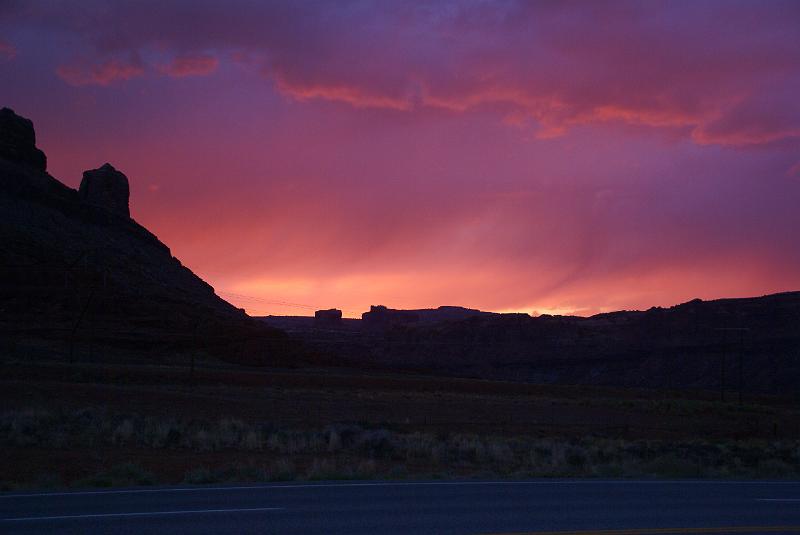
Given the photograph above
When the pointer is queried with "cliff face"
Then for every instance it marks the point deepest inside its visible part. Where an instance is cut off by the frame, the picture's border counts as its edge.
(74, 264)
(18, 141)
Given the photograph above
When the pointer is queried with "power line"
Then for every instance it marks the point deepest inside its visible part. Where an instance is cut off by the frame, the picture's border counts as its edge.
(268, 301)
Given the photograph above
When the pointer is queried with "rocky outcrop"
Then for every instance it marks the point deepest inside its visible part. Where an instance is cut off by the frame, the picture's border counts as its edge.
(18, 141)
(107, 188)
(77, 280)
(724, 345)
(381, 317)
(328, 318)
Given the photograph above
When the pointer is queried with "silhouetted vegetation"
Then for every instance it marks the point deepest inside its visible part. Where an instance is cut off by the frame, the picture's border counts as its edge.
(352, 451)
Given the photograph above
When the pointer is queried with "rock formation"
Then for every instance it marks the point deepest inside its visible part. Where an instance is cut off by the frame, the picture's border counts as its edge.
(75, 281)
(381, 317)
(106, 187)
(18, 141)
(328, 318)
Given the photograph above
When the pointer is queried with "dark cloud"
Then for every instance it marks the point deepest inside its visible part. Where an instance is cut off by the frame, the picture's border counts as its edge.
(699, 65)
(80, 73)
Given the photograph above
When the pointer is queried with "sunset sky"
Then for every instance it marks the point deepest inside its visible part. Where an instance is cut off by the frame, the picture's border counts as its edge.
(546, 157)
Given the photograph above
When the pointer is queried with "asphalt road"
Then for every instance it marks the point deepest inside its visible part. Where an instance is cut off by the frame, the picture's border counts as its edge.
(435, 507)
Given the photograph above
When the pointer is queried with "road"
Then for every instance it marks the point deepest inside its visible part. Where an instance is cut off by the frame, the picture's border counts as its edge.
(433, 507)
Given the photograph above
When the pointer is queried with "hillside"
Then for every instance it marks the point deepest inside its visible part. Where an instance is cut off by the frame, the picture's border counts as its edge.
(80, 278)
(749, 343)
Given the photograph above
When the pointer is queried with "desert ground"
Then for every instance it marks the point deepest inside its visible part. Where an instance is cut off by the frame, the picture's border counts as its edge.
(92, 424)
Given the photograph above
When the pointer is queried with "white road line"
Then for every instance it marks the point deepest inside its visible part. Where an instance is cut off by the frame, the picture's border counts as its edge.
(402, 484)
(152, 513)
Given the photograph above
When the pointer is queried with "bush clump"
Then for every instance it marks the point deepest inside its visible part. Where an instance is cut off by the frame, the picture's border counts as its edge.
(350, 451)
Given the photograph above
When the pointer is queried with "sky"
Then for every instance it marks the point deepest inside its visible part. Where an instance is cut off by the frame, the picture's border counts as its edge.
(559, 157)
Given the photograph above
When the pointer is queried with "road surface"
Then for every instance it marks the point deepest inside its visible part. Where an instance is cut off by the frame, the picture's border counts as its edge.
(435, 507)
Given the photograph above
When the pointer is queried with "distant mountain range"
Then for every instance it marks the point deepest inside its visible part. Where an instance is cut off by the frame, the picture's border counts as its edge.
(752, 343)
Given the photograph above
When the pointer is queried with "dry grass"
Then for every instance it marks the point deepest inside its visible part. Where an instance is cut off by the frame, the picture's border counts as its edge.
(350, 451)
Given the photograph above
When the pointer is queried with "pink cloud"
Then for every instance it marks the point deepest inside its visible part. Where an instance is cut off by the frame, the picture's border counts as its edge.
(193, 65)
(558, 68)
(103, 74)
(357, 97)
(550, 66)
(770, 116)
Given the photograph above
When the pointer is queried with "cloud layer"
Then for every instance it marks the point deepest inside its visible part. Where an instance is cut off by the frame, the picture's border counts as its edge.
(722, 72)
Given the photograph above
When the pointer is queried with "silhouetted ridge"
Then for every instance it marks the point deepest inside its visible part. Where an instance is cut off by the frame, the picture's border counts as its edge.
(18, 140)
(77, 271)
(749, 342)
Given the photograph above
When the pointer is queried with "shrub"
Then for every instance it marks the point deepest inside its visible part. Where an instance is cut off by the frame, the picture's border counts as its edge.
(122, 475)
(201, 476)
(282, 470)
(376, 443)
(671, 466)
(123, 433)
(354, 451)
(251, 440)
(323, 469)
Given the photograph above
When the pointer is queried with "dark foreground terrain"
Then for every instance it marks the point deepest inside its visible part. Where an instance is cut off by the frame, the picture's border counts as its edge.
(613, 507)
(91, 425)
